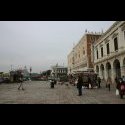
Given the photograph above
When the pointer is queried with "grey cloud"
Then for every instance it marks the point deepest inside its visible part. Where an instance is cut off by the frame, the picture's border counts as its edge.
(41, 44)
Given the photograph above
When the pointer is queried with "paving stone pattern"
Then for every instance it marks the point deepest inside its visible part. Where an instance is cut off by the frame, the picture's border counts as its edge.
(39, 92)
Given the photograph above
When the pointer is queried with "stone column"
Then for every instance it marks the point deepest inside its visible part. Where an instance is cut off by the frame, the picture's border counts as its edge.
(99, 71)
(105, 73)
(122, 66)
(113, 74)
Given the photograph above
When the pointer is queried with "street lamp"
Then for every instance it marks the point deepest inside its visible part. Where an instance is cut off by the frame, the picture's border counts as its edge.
(11, 67)
(30, 71)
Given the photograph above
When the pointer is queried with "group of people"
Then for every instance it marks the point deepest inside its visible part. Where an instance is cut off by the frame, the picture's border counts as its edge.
(53, 83)
(119, 80)
(80, 83)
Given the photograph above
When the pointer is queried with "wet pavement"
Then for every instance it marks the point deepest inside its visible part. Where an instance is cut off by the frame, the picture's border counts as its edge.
(39, 92)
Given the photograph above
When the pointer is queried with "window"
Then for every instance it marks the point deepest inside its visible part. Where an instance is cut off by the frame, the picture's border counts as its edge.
(97, 54)
(83, 52)
(73, 60)
(108, 50)
(116, 44)
(102, 52)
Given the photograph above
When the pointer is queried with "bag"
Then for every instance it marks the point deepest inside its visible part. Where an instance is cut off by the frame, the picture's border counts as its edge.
(122, 87)
(76, 81)
(90, 86)
(117, 92)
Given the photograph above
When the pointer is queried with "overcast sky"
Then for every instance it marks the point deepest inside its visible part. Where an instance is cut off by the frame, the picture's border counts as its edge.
(41, 44)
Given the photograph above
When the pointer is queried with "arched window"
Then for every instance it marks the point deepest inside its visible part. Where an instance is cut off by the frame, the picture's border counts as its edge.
(101, 51)
(83, 51)
(108, 49)
(116, 44)
(108, 69)
(97, 69)
(97, 54)
(102, 71)
(117, 68)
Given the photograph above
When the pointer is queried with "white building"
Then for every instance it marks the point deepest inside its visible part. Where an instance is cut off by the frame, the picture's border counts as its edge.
(58, 71)
(109, 52)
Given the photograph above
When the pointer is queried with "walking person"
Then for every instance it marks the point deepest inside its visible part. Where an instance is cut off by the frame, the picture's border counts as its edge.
(79, 85)
(109, 82)
(21, 81)
(99, 82)
(117, 85)
(55, 81)
(52, 83)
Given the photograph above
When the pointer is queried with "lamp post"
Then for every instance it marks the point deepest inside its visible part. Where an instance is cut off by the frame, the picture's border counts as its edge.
(30, 71)
(11, 67)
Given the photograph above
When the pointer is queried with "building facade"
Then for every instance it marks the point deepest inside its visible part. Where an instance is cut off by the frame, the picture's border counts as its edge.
(80, 58)
(109, 52)
(59, 71)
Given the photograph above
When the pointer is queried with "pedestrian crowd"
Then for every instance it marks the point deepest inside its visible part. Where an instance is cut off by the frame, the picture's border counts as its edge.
(79, 83)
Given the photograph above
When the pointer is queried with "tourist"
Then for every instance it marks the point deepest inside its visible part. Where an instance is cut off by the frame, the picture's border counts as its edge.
(99, 81)
(79, 85)
(21, 81)
(109, 82)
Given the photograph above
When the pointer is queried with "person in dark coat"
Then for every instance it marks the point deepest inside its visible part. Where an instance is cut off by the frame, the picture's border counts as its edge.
(21, 82)
(52, 83)
(109, 82)
(79, 85)
(99, 81)
(55, 82)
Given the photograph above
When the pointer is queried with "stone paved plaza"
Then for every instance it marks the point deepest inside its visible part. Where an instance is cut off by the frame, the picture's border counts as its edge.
(39, 92)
